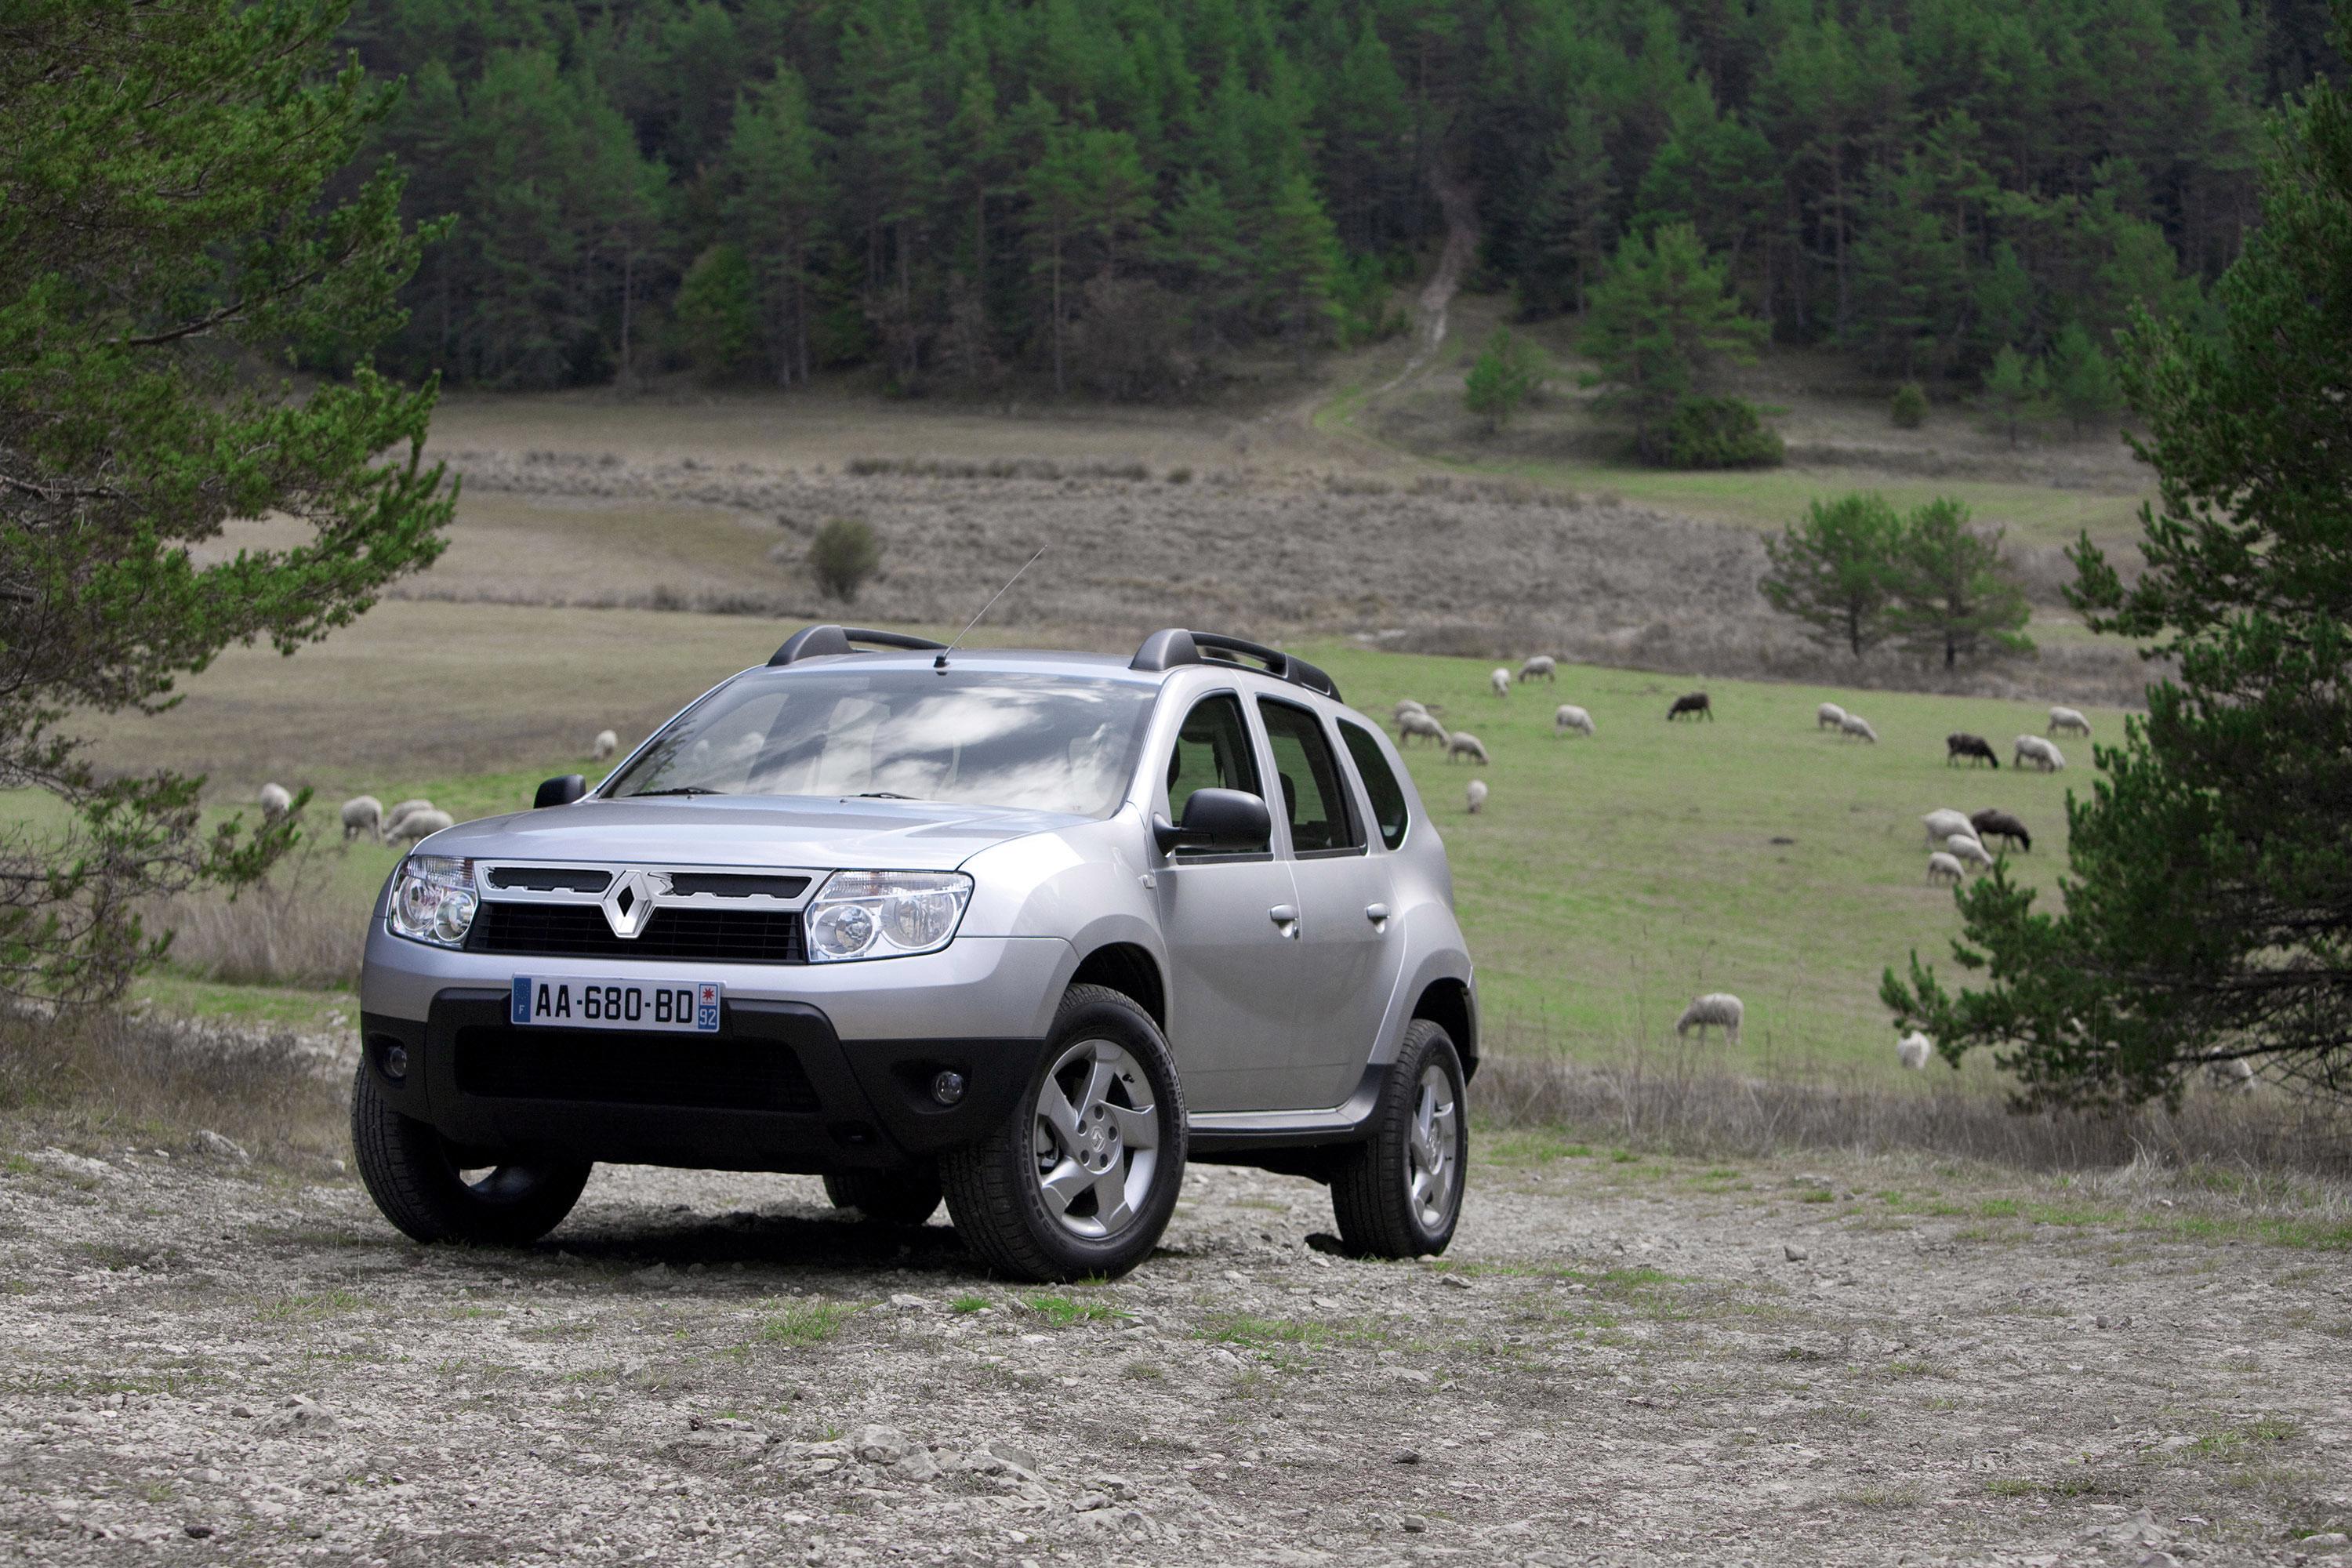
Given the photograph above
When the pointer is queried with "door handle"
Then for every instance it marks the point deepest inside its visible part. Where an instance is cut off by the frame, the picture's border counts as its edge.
(1377, 913)
(1286, 917)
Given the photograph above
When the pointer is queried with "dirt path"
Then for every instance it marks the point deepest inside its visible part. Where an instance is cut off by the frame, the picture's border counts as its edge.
(1461, 208)
(1619, 1362)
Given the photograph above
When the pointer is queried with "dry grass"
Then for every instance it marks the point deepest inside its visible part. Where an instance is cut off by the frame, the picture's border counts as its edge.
(296, 929)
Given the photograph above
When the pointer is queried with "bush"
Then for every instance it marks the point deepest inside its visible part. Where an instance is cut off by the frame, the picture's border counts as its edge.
(718, 322)
(844, 553)
(1719, 433)
(1508, 373)
(1909, 409)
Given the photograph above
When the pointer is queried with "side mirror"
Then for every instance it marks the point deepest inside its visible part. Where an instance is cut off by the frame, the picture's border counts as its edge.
(1217, 819)
(560, 791)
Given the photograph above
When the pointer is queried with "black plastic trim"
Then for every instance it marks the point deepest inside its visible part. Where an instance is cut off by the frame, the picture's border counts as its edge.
(1174, 646)
(827, 640)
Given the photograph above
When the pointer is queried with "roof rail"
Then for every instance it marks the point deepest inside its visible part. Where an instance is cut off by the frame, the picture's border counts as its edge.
(1166, 650)
(819, 641)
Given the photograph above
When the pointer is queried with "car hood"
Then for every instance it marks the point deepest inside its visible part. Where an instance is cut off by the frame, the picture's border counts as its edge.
(688, 831)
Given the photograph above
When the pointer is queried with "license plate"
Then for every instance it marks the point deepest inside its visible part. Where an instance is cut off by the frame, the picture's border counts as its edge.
(576, 1002)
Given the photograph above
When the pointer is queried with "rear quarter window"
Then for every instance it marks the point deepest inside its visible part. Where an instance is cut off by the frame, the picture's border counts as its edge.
(1380, 787)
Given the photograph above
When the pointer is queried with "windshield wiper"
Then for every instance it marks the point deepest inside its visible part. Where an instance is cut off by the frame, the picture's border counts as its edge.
(682, 789)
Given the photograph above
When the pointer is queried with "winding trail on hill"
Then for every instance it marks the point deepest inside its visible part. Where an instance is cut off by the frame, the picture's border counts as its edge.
(1461, 207)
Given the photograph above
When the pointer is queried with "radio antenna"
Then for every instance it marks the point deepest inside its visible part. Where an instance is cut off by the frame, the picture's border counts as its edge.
(941, 662)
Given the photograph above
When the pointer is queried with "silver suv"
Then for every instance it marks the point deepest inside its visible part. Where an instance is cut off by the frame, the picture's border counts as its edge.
(1016, 929)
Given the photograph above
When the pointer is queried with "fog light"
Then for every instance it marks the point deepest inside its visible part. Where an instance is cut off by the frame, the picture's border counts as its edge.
(395, 1063)
(948, 1087)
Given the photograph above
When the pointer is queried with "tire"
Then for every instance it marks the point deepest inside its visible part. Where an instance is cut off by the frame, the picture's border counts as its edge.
(1112, 1077)
(412, 1174)
(886, 1197)
(1373, 1191)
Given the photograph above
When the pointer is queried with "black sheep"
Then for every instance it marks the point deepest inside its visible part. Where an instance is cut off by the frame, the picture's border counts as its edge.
(1694, 703)
(2001, 825)
(1961, 743)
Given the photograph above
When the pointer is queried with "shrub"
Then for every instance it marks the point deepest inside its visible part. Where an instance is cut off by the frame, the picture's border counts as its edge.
(1719, 433)
(846, 553)
(717, 321)
(1909, 409)
(1508, 373)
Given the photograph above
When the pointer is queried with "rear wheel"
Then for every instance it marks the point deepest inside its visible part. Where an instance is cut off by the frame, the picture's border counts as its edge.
(1399, 1193)
(433, 1192)
(887, 1197)
(1082, 1178)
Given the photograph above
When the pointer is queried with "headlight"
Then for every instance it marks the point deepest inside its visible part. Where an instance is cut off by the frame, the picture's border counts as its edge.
(885, 914)
(433, 899)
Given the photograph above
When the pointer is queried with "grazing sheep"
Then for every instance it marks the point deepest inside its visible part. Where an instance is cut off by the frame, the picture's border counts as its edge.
(1943, 822)
(1942, 868)
(1571, 717)
(1500, 680)
(1913, 1049)
(1412, 724)
(1463, 743)
(1828, 716)
(1541, 666)
(274, 801)
(2040, 753)
(2231, 1073)
(392, 819)
(418, 824)
(1855, 725)
(1407, 705)
(1477, 795)
(607, 744)
(2001, 825)
(1961, 743)
(1694, 703)
(1966, 848)
(363, 814)
(2068, 721)
(1720, 1009)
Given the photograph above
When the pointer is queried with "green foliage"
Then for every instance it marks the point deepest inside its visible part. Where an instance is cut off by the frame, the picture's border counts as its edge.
(2083, 380)
(1508, 372)
(1719, 433)
(1656, 323)
(1908, 408)
(2016, 392)
(844, 555)
(2204, 912)
(1363, 299)
(1954, 593)
(1836, 571)
(169, 206)
(718, 317)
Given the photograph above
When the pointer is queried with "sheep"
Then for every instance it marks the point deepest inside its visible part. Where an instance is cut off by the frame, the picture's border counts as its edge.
(1407, 705)
(1828, 716)
(1463, 743)
(1976, 747)
(1540, 667)
(1500, 679)
(1943, 822)
(392, 818)
(1477, 795)
(2069, 720)
(2040, 753)
(1719, 1008)
(1943, 867)
(1421, 724)
(1966, 848)
(363, 814)
(1571, 717)
(1694, 703)
(274, 801)
(2001, 825)
(2230, 1073)
(1855, 725)
(418, 824)
(1913, 1049)
(607, 743)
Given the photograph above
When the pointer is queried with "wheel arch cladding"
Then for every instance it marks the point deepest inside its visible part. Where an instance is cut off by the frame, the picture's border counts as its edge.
(1129, 970)
(1446, 1003)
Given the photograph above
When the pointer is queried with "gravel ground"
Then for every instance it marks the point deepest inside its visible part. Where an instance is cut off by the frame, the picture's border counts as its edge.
(1623, 1359)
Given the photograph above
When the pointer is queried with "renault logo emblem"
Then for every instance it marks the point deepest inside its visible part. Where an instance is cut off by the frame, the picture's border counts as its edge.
(629, 901)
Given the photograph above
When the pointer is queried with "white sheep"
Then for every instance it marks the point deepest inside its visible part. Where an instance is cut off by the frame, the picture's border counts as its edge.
(363, 814)
(1477, 795)
(392, 818)
(1571, 717)
(1828, 716)
(1913, 1049)
(1540, 667)
(2229, 1074)
(1943, 822)
(416, 825)
(2040, 753)
(1943, 867)
(276, 801)
(1463, 743)
(1500, 679)
(1855, 725)
(1720, 1009)
(2068, 721)
(1421, 724)
(1967, 848)
(1408, 705)
(607, 743)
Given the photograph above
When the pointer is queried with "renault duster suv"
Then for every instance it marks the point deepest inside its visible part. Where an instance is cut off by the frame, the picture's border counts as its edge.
(1025, 930)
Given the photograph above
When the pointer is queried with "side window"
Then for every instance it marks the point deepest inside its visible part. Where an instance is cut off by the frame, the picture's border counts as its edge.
(1380, 787)
(1312, 792)
(1213, 752)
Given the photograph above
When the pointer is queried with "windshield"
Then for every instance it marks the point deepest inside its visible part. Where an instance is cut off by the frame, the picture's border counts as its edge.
(1037, 743)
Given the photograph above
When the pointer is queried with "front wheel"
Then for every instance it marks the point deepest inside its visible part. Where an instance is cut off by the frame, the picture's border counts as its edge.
(415, 1178)
(886, 1197)
(1082, 1178)
(1399, 1193)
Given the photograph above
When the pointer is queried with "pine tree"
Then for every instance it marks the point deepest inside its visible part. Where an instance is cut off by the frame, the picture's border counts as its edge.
(778, 193)
(1202, 248)
(2083, 380)
(1656, 322)
(1836, 571)
(1570, 224)
(1508, 372)
(2017, 390)
(1296, 256)
(1056, 188)
(1954, 595)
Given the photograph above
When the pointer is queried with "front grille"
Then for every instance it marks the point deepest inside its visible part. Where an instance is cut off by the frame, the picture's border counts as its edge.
(580, 930)
(611, 1067)
(736, 884)
(552, 878)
